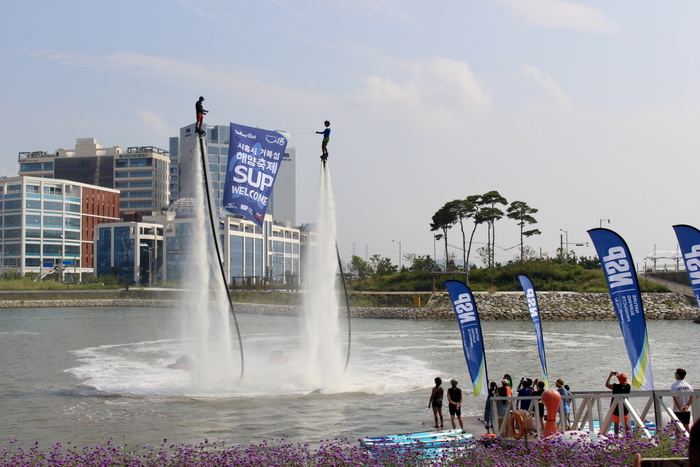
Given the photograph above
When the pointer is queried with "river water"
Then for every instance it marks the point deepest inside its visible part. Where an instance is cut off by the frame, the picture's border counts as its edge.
(85, 375)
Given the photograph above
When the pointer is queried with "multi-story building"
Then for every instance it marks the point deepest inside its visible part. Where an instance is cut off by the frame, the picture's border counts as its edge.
(282, 204)
(48, 223)
(131, 250)
(158, 248)
(140, 173)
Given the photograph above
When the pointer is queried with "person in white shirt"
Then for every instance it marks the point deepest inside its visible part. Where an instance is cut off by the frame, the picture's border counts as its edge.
(681, 404)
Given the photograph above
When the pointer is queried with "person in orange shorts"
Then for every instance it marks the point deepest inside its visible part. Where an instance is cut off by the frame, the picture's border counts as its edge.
(622, 387)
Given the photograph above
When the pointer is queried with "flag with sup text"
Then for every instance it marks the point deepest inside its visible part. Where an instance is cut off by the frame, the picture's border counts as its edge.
(616, 260)
(534, 311)
(689, 241)
(472, 338)
(254, 159)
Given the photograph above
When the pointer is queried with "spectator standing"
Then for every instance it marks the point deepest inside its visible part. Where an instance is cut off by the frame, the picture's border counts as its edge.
(525, 390)
(436, 402)
(621, 387)
(561, 389)
(454, 399)
(681, 404)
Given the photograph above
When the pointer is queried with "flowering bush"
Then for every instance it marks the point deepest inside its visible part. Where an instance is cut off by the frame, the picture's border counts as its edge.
(610, 451)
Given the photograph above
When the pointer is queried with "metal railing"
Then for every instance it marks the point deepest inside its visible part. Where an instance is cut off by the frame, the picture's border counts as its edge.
(587, 408)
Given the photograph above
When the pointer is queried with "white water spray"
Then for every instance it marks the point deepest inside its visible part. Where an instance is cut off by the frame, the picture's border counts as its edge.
(325, 360)
(205, 304)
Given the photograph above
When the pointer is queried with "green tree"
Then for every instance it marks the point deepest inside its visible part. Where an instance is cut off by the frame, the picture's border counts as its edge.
(420, 263)
(490, 214)
(463, 209)
(381, 266)
(443, 220)
(360, 267)
(522, 213)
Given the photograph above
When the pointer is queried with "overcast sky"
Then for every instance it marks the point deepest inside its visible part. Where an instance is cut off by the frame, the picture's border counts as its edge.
(585, 110)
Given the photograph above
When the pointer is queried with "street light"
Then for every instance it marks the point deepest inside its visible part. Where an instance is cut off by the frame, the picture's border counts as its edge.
(601, 222)
(561, 239)
(399, 242)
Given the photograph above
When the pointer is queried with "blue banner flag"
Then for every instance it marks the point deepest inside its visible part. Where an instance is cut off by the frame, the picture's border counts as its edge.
(472, 339)
(534, 309)
(618, 267)
(254, 158)
(689, 240)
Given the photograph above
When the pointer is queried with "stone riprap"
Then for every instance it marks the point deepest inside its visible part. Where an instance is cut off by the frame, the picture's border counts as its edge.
(554, 306)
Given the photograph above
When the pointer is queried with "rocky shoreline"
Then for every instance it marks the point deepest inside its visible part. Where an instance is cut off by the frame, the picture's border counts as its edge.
(498, 306)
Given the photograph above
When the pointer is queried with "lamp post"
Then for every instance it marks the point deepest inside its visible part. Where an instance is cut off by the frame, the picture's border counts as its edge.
(561, 239)
(399, 242)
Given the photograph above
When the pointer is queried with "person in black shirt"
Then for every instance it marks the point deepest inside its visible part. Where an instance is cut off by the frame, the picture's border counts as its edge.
(200, 114)
(436, 402)
(622, 387)
(455, 398)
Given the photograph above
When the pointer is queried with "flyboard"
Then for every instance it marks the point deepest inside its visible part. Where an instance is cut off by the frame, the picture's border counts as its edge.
(431, 443)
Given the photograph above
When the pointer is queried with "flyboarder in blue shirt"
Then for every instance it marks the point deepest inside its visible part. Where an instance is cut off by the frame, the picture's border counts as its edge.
(326, 137)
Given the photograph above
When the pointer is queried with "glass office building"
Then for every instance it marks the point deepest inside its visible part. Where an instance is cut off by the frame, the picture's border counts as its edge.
(47, 224)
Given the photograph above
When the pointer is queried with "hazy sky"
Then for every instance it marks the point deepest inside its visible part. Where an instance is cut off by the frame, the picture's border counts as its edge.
(584, 110)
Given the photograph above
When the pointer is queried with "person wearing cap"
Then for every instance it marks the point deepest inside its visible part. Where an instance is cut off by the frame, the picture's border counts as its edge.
(681, 404)
(455, 398)
(502, 406)
(619, 388)
(525, 390)
(200, 114)
(565, 401)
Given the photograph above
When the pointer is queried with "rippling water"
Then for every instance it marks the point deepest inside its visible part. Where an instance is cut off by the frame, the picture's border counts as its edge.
(87, 374)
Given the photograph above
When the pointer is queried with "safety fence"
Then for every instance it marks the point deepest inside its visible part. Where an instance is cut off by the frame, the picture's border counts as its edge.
(590, 411)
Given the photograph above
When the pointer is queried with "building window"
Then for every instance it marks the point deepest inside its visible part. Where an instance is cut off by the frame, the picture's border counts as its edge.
(32, 189)
(121, 163)
(53, 249)
(72, 207)
(143, 162)
(13, 233)
(33, 204)
(121, 174)
(141, 204)
(30, 166)
(142, 184)
(12, 249)
(13, 220)
(48, 165)
(121, 185)
(72, 235)
(140, 194)
(53, 190)
(53, 234)
(14, 188)
(53, 206)
(32, 233)
(32, 249)
(73, 223)
(72, 250)
(55, 222)
(13, 205)
(32, 262)
(145, 173)
(33, 220)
